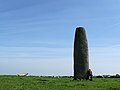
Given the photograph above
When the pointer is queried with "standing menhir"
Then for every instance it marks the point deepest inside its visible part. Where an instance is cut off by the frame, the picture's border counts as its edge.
(81, 61)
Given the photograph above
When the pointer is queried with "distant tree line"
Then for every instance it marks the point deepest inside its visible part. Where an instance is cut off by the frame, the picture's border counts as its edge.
(108, 76)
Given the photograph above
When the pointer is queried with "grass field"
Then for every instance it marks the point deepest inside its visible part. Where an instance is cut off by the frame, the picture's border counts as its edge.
(54, 83)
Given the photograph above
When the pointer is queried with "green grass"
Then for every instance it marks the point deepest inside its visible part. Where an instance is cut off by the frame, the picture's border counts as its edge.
(54, 83)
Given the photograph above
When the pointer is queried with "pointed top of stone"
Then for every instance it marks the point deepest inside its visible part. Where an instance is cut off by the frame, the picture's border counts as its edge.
(80, 29)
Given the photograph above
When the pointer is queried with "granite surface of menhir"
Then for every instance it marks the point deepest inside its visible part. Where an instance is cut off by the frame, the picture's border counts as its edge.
(81, 57)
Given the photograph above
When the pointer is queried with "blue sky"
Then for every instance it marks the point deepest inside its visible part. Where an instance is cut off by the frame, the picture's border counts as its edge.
(36, 36)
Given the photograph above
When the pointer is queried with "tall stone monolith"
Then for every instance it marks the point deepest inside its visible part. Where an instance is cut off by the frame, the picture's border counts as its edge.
(81, 58)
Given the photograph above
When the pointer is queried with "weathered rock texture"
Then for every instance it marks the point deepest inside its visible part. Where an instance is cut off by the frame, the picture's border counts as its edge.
(81, 62)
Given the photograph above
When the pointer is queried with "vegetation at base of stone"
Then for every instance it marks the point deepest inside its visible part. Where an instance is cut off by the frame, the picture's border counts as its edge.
(57, 83)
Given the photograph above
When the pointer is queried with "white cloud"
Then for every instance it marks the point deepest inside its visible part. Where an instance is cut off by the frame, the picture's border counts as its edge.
(105, 60)
(36, 61)
(56, 61)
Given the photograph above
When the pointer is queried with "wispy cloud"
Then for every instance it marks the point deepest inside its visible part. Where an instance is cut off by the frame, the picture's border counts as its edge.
(34, 52)
(12, 5)
(105, 60)
(36, 61)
